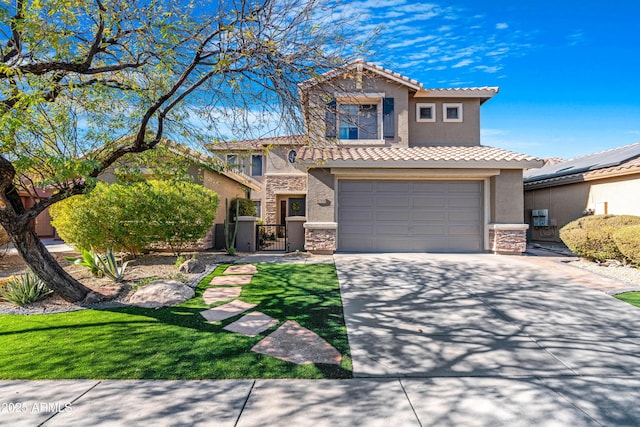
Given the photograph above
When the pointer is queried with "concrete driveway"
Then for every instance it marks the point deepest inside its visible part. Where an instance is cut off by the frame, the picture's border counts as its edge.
(497, 336)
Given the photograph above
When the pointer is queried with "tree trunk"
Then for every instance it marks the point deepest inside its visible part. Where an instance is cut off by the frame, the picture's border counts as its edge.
(36, 255)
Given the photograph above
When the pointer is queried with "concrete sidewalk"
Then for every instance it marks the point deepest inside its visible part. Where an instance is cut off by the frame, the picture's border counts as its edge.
(460, 401)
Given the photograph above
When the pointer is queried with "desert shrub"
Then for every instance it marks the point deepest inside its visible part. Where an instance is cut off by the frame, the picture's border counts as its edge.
(627, 239)
(183, 212)
(132, 217)
(246, 207)
(110, 217)
(24, 289)
(591, 236)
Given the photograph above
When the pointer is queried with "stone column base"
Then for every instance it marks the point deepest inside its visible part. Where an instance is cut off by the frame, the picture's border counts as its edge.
(509, 239)
(320, 238)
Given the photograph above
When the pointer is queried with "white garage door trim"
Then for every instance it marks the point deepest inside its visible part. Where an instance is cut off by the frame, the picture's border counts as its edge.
(464, 230)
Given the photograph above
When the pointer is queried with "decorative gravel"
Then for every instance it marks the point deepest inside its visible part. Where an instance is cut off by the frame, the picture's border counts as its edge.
(627, 274)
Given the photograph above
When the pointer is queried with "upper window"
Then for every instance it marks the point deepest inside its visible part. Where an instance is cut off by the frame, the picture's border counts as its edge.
(452, 112)
(256, 165)
(359, 121)
(232, 159)
(425, 112)
(354, 117)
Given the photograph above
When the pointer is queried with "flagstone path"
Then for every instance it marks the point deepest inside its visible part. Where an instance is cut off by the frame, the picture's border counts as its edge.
(213, 295)
(290, 342)
(226, 311)
(252, 324)
(293, 343)
(231, 280)
(241, 269)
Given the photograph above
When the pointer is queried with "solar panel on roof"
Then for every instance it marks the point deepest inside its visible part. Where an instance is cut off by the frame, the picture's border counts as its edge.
(587, 163)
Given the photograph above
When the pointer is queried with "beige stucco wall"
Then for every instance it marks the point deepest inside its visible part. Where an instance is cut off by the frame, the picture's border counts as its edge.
(507, 200)
(277, 162)
(567, 202)
(225, 188)
(320, 196)
(439, 132)
(371, 84)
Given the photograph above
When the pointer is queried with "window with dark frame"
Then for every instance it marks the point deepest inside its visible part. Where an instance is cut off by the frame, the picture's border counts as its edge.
(358, 121)
(425, 112)
(256, 165)
(452, 112)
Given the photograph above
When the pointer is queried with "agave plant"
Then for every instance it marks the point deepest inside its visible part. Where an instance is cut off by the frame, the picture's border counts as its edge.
(108, 265)
(24, 289)
(88, 259)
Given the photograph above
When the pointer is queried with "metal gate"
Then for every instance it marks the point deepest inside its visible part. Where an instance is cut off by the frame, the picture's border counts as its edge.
(271, 237)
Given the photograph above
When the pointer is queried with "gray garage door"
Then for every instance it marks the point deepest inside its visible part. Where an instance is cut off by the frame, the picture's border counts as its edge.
(410, 216)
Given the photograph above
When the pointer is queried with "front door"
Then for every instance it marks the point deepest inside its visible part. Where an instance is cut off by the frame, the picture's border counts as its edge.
(297, 206)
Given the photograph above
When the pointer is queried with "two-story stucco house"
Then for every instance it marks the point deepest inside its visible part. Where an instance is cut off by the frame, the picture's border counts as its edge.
(389, 166)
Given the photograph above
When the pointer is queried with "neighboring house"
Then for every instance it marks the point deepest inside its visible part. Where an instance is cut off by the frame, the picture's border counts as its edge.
(42, 223)
(601, 183)
(389, 166)
(204, 170)
(272, 163)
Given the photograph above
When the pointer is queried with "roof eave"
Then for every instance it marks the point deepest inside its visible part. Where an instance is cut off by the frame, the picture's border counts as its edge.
(580, 177)
(243, 180)
(484, 94)
(423, 164)
(398, 78)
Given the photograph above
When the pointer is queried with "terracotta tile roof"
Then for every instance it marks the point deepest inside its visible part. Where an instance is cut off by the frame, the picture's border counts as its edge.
(257, 144)
(414, 84)
(444, 154)
(495, 89)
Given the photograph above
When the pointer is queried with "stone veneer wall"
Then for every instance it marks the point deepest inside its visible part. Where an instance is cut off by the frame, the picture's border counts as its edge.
(276, 184)
(508, 241)
(320, 240)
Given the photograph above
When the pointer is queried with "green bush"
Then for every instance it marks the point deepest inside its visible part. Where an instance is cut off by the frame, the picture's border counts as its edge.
(132, 217)
(183, 213)
(246, 207)
(627, 240)
(24, 289)
(592, 236)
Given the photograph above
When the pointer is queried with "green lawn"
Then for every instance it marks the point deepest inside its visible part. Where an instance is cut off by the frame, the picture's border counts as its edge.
(630, 297)
(176, 342)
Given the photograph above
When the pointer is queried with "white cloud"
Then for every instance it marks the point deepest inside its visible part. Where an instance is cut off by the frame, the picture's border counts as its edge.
(463, 63)
(488, 69)
(435, 37)
(411, 42)
(576, 38)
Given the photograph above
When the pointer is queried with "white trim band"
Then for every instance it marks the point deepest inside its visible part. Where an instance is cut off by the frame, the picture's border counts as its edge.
(321, 225)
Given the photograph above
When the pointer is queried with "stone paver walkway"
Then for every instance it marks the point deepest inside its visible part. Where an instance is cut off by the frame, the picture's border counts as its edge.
(226, 311)
(293, 343)
(231, 280)
(241, 269)
(252, 324)
(290, 342)
(213, 295)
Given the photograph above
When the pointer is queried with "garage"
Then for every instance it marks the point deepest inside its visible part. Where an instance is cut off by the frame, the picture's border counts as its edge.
(410, 216)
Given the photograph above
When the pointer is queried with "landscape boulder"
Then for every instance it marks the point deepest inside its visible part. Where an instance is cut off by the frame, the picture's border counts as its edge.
(191, 266)
(161, 293)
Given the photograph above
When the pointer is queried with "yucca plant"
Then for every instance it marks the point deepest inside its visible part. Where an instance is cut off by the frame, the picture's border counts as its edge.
(108, 265)
(24, 289)
(88, 259)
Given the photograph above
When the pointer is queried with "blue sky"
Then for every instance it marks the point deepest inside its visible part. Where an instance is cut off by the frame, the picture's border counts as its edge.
(568, 71)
